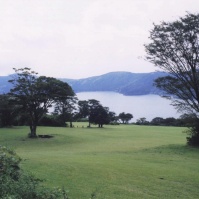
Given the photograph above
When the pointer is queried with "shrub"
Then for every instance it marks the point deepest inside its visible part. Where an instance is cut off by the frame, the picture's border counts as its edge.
(16, 184)
(193, 138)
(193, 133)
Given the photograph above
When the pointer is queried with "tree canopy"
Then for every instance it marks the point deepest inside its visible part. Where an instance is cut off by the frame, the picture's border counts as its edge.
(174, 48)
(125, 117)
(7, 111)
(66, 109)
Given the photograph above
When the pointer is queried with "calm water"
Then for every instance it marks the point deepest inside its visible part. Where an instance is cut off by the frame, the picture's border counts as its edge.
(149, 106)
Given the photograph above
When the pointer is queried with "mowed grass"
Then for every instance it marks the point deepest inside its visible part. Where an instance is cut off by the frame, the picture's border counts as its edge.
(115, 162)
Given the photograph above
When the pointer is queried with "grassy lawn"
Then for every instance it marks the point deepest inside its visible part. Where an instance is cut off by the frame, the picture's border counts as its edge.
(116, 162)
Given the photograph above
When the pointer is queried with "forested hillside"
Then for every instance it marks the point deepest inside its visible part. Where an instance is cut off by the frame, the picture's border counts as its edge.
(126, 83)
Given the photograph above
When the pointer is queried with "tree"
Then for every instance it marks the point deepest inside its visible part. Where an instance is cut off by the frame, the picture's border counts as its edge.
(170, 121)
(6, 111)
(174, 48)
(95, 112)
(83, 109)
(157, 121)
(125, 117)
(99, 115)
(86, 107)
(66, 108)
(142, 121)
(188, 119)
(113, 118)
(35, 94)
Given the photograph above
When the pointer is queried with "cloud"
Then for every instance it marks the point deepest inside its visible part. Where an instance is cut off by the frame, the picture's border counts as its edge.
(65, 38)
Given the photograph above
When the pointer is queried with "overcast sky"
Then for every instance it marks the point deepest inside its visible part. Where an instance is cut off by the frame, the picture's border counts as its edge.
(81, 38)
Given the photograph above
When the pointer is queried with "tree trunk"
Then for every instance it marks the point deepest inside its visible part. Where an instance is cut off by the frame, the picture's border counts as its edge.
(32, 133)
(100, 125)
(89, 123)
(71, 124)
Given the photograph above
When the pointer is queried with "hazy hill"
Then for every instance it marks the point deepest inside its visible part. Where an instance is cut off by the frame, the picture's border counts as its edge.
(4, 84)
(126, 83)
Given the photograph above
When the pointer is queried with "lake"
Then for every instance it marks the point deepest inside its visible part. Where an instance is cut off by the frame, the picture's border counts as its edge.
(148, 106)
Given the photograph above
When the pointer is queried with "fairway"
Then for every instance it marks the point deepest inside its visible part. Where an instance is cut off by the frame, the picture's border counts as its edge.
(114, 162)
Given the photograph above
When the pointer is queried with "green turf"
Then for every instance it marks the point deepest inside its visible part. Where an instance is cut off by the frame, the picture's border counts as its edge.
(116, 162)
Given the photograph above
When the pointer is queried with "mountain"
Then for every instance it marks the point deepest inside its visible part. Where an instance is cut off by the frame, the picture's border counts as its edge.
(126, 83)
(5, 86)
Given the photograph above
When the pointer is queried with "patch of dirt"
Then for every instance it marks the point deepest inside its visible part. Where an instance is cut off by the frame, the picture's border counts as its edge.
(45, 136)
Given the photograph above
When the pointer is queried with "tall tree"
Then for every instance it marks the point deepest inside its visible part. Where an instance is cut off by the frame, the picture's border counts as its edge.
(174, 48)
(36, 94)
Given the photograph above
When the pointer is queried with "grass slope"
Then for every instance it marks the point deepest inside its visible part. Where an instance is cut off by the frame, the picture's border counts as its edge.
(116, 162)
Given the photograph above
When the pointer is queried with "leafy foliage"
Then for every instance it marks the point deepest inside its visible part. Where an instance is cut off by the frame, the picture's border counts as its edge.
(65, 109)
(142, 121)
(96, 113)
(16, 184)
(174, 48)
(125, 117)
(99, 115)
(7, 111)
(193, 135)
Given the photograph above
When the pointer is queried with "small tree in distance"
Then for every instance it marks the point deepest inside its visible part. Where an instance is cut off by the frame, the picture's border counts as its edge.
(66, 108)
(99, 115)
(142, 121)
(125, 117)
(157, 121)
(95, 112)
(174, 48)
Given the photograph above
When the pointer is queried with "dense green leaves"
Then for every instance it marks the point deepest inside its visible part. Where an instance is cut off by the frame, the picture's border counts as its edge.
(99, 115)
(7, 111)
(175, 44)
(16, 184)
(65, 109)
(125, 117)
(96, 113)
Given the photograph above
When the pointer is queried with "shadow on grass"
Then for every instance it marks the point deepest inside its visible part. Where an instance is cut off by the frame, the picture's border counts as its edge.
(175, 149)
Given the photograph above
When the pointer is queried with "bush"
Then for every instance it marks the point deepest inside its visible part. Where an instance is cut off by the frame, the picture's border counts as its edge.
(51, 120)
(193, 132)
(16, 184)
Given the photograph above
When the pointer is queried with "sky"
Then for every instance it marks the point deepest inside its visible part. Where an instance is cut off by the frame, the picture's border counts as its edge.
(82, 38)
